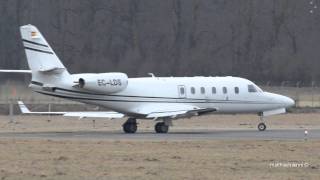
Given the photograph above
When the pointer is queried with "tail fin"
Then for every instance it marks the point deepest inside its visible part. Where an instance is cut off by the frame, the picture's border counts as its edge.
(41, 58)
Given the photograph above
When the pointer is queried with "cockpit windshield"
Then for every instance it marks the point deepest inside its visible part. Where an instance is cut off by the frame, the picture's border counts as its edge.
(253, 88)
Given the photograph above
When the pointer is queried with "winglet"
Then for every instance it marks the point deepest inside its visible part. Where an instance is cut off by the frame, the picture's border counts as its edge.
(23, 108)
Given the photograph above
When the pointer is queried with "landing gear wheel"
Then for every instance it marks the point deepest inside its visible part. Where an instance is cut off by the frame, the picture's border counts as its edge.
(262, 126)
(161, 127)
(130, 126)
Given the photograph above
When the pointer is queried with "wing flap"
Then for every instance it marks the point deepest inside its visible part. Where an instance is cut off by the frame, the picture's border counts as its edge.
(165, 114)
(177, 111)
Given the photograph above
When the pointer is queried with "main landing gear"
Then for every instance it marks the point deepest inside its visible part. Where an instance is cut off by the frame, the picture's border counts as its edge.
(163, 127)
(130, 126)
(262, 126)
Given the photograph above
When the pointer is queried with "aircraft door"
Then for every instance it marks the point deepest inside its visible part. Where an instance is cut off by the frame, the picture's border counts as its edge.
(182, 91)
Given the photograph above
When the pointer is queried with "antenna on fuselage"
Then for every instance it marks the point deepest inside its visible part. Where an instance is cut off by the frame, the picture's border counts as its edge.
(151, 74)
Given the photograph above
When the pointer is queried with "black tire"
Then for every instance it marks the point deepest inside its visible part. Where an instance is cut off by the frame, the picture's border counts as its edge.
(161, 127)
(262, 126)
(130, 128)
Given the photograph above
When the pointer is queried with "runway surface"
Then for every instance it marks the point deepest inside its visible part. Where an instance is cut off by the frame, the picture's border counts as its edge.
(298, 134)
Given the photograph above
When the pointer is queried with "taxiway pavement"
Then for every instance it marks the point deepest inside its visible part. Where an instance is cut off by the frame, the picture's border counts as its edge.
(278, 134)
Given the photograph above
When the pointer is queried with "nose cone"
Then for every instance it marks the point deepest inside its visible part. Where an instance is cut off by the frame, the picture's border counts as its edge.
(288, 102)
(280, 100)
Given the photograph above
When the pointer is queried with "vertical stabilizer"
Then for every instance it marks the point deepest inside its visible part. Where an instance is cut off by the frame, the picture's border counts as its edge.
(41, 58)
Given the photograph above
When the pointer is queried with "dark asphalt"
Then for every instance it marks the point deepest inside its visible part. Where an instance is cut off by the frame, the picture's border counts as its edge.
(191, 135)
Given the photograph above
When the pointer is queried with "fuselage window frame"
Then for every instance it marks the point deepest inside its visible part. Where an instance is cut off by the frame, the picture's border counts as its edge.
(182, 91)
(202, 90)
(193, 90)
(224, 90)
(236, 90)
(214, 90)
(252, 88)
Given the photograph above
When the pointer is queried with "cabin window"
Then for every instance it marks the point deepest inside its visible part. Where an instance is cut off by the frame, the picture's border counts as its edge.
(193, 90)
(224, 90)
(252, 89)
(236, 90)
(202, 90)
(181, 90)
(214, 90)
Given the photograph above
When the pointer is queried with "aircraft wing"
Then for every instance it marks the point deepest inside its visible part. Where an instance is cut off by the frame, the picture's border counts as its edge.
(15, 71)
(84, 114)
(94, 114)
(176, 111)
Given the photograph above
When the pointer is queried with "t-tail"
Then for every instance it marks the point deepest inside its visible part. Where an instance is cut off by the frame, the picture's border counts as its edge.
(42, 60)
(48, 72)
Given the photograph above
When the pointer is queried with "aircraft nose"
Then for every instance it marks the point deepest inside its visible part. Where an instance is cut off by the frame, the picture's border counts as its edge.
(288, 101)
(283, 101)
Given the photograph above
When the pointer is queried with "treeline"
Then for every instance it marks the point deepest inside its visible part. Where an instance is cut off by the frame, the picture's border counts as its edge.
(265, 40)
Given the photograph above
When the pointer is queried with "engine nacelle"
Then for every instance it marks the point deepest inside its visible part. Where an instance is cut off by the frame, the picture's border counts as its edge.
(103, 82)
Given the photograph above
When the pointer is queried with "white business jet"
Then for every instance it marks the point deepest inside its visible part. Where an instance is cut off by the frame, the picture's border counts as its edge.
(156, 98)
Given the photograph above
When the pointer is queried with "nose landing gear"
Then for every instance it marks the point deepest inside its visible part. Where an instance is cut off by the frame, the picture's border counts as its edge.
(262, 126)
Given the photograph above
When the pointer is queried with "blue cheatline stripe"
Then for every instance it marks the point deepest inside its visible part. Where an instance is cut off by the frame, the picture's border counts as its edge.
(146, 101)
(31, 42)
(148, 97)
(38, 50)
(144, 97)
